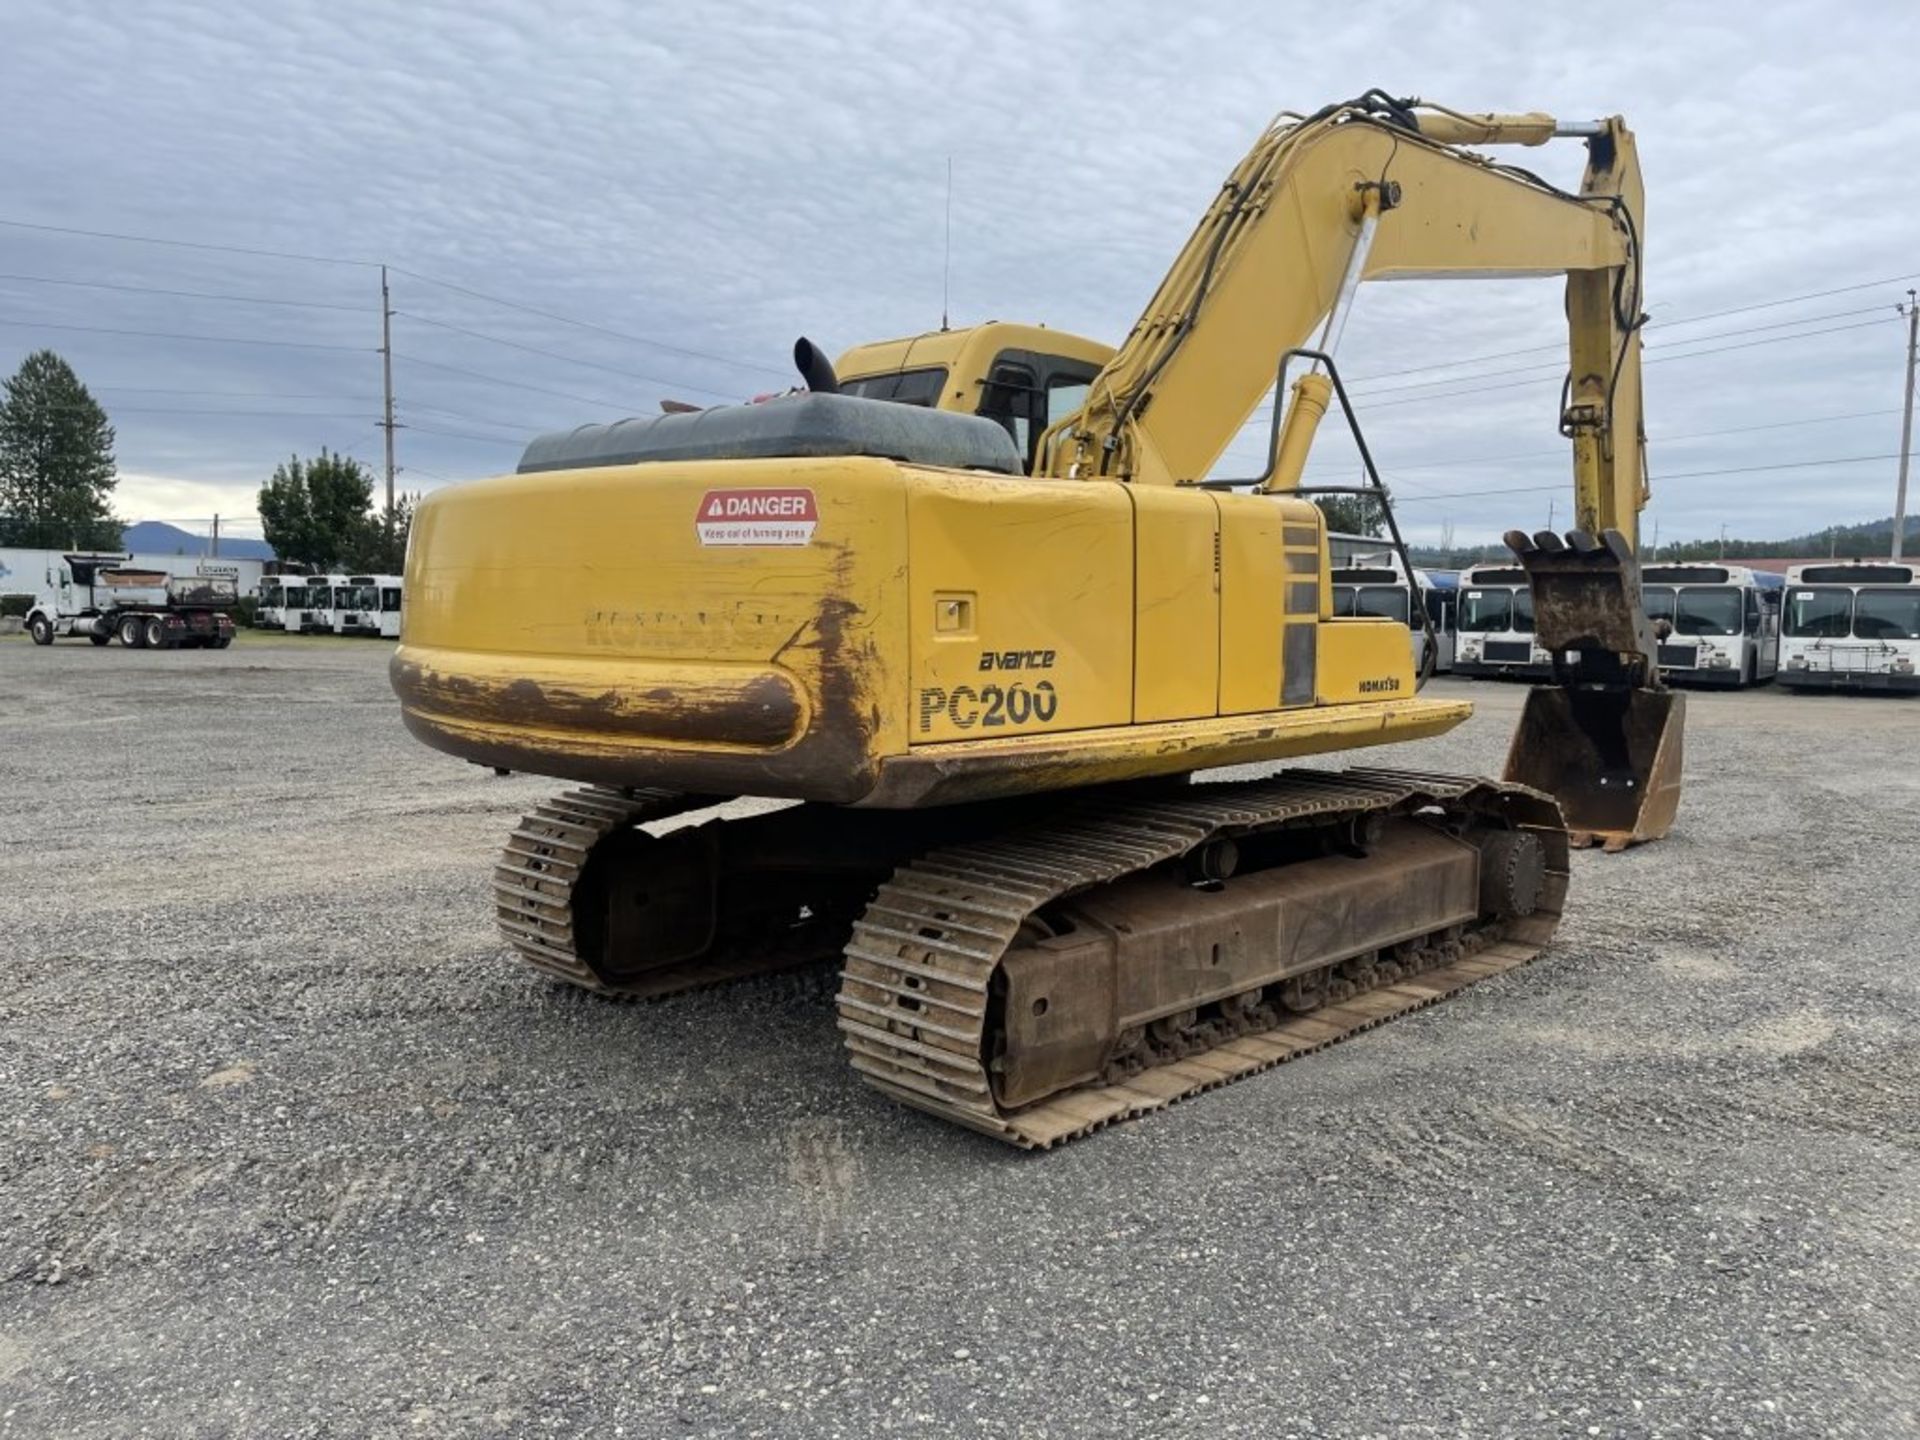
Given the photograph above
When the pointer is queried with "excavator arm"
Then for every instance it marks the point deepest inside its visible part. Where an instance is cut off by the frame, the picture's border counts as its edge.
(1381, 189)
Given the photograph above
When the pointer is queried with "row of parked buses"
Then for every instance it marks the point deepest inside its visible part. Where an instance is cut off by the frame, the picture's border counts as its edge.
(1823, 626)
(331, 605)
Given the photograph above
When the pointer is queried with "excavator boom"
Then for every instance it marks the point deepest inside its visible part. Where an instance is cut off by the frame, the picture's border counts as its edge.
(1377, 189)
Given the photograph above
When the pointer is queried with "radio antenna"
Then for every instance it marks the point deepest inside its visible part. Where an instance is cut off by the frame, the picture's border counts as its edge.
(946, 264)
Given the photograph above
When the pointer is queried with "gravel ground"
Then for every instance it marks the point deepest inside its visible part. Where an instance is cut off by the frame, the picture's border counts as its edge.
(291, 1148)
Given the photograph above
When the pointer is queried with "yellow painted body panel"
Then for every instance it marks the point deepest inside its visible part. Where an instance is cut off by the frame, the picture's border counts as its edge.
(1362, 661)
(935, 636)
(1252, 605)
(1045, 571)
(573, 623)
(1176, 604)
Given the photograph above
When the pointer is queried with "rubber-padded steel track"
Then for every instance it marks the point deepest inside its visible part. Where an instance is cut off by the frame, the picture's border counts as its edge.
(936, 931)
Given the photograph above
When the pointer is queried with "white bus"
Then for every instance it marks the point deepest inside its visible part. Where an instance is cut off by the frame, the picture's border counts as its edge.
(1722, 621)
(369, 605)
(1851, 625)
(1495, 621)
(317, 614)
(1441, 590)
(281, 597)
(1375, 586)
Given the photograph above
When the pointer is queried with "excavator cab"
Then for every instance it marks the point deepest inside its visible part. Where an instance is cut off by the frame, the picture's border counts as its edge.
(1605, 738)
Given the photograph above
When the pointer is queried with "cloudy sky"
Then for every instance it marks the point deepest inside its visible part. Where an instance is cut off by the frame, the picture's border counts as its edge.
(592, 206)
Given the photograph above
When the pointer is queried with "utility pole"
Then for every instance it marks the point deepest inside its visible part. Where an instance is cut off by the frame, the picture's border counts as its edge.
(1723, 539)
(1906, 427)
(386, 376)
(1655, 553)
(216, 538)
(1550, 507)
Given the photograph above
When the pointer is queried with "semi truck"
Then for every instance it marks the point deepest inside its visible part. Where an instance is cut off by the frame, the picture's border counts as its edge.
(107, 596)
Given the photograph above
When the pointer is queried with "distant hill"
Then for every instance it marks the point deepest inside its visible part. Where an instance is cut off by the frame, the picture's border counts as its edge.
(156, 537)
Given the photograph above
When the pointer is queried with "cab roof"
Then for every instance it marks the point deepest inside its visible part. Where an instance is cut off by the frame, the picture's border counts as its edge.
(965, 353)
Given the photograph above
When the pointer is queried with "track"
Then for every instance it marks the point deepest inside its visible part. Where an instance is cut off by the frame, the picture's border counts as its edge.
(917, 991)
(535, 881)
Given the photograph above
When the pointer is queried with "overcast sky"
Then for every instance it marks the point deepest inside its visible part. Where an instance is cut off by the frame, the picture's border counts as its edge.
(708, 181)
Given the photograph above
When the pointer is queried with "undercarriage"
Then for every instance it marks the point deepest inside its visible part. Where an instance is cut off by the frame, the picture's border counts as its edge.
(1036, 969)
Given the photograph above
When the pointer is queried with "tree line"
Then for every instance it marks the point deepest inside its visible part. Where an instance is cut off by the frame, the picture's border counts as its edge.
(58, 474)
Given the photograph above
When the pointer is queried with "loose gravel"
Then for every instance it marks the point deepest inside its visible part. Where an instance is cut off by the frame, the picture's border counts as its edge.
(292, 1148)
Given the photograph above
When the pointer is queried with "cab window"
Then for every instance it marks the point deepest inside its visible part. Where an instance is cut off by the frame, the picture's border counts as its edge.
(1065, 394)
(1011, 396)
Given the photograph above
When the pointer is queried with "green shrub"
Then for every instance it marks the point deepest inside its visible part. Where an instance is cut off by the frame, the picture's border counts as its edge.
(249, 608)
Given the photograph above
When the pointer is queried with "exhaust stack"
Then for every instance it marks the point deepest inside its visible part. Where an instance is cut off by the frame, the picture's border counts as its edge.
(815, 368)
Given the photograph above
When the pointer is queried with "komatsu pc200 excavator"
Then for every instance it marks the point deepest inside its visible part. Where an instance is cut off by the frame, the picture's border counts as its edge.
(975, 601)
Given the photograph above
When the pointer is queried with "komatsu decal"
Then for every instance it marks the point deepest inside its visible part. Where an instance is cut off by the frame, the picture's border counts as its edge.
(1386, 686)
(757, 517)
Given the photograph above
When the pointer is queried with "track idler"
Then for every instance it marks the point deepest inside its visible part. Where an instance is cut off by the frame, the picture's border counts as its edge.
(1605, 739)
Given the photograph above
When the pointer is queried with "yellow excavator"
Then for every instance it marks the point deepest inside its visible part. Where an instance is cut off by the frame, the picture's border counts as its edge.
(977, 602)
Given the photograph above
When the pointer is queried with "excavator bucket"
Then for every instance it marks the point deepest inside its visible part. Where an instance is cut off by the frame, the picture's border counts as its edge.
(1605, 738)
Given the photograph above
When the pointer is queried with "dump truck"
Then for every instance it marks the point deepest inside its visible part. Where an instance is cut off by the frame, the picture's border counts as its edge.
(978, 602)
(106, 596)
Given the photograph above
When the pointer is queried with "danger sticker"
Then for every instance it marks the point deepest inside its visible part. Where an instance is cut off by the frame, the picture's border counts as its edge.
(757, 517)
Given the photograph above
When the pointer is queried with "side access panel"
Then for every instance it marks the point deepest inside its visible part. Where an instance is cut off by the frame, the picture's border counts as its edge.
(1271, 601)
(1020, 594)
(1176, 615)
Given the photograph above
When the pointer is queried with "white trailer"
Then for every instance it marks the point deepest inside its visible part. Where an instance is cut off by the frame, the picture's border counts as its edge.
(371, 606)
(1851, 625)
(104, 596)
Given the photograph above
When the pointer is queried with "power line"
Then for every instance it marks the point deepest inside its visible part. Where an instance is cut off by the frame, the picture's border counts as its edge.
(188, 244)
(511, 384)
(269, 414)
(190, 294)
(1790, 300)
(422, 276)
(585, 324)
(462, 435)
(463, 415)
(1658, 324)
(1392, 469)
(1555, 370)
(175, 335)
(1678, 475)
(1697, 340)
(557, 355)
(1540, 372)
(232, 394)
